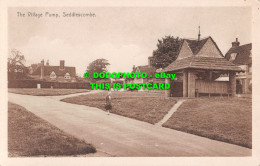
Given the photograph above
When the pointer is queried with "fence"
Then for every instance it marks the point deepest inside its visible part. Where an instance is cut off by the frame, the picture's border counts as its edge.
(217, 87)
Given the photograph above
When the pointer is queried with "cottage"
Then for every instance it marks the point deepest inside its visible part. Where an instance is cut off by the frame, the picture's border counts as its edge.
(148, 69)
(60, 73)
(241, 56)
(197, 66)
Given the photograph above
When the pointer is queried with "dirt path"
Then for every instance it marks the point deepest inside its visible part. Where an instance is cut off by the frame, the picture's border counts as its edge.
(173, 109)
(120, 136)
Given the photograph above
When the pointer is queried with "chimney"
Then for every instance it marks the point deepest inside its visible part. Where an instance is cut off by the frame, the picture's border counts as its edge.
(149, 61)
(236, 43)
(42, 69)
(199, 34)
(47, 63)
(62, 64)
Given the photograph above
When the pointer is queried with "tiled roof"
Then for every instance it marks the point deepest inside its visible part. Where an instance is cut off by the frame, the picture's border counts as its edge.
(196, 45)
(146, 69)
(198, 62)
(243, 53)
(57, 70)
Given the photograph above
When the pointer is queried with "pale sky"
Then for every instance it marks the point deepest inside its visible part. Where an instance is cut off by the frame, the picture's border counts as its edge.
(124, 36)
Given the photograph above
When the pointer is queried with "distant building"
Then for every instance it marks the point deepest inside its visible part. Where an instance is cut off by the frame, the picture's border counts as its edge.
(148, 69)
(241, 56)
(60, 73)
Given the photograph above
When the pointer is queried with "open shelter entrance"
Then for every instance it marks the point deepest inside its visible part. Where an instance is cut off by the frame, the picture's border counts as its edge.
(198, 74)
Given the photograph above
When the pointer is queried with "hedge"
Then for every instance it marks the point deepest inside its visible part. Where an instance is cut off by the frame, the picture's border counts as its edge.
(47, 84)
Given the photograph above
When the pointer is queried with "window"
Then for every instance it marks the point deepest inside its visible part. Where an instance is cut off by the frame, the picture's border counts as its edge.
(67, 76)
(232, 56)
(53, 75)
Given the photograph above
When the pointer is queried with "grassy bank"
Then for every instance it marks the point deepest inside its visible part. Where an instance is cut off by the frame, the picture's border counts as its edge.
(29, 135)
(145, 106)
(224, 119)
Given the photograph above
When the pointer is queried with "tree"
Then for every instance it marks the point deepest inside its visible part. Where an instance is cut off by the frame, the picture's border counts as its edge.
(166, 52)
(98, 65)
(15, 65)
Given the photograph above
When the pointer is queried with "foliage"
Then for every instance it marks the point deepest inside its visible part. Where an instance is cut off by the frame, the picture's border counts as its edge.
(15, 65)
(166, 52)
(98, 65)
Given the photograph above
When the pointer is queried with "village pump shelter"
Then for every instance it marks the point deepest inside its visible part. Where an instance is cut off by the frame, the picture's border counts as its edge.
(198, 65)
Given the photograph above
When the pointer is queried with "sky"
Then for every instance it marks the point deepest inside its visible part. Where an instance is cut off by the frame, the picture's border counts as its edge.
(125, 36)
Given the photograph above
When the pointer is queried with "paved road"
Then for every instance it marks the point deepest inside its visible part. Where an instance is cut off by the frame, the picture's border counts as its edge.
(115, 135)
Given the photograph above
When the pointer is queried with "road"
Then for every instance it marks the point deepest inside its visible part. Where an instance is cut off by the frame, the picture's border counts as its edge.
(116, 135)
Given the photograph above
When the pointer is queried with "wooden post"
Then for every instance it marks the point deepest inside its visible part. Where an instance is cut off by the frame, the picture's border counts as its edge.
(185, 83)
(232, 83)
(246, 85)
(191, 84)
(210, 75)
(243, 86)
(167, 91)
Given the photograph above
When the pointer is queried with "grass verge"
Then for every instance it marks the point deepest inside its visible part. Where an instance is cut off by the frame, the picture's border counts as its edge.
(145, 106)
(45, 91)
(224, 119)
(29, 135)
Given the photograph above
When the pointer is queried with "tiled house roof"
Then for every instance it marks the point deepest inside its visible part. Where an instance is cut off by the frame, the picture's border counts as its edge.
(57, 70)
(146, 69)
(197, 62)
(196, 45)
(243, 53)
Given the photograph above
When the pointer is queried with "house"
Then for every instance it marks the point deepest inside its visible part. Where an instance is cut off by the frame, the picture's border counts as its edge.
(59, 73)
(148, 69)
(241, 56)
(111, 82)
(199, 63)
(120, 81)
